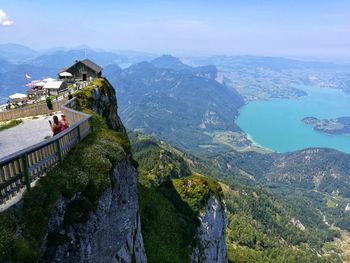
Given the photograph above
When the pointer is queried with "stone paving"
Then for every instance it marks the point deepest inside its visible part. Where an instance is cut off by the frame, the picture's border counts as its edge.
(26, 134)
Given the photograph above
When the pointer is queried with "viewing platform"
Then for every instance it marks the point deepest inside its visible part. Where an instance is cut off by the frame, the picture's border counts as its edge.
(20, 170)
(28, 150)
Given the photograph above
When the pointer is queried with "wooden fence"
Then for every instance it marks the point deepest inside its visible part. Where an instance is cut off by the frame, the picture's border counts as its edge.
(37, 109)
(28, 111)
(19, 170)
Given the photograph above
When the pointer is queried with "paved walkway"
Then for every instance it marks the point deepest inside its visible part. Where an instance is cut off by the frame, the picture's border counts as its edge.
(30, 132)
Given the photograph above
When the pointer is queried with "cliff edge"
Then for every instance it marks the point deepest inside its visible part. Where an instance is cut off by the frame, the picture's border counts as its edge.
(86, 208)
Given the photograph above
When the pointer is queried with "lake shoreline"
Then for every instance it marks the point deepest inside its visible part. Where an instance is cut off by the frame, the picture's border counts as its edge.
(275, 124)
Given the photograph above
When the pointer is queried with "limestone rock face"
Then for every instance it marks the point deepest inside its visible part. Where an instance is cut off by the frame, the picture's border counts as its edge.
(105, 104)
(111, 234)
(211, 234)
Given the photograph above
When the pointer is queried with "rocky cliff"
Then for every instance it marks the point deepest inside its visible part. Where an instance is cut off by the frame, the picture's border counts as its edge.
(86, 208)
(211, 234)
(111, 233)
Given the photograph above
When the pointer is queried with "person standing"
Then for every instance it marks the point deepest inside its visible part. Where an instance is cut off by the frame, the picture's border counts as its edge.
(49, 104)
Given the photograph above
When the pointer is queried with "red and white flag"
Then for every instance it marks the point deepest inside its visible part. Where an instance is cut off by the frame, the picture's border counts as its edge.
(28, 77)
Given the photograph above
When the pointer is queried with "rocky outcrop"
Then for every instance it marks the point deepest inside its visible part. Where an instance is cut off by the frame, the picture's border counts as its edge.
(211, 234)
(347, 208)
(111, 234)
(297, 223)
(104, 102)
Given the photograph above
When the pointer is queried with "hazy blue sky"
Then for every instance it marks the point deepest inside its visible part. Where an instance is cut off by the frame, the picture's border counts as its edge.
(310, 28)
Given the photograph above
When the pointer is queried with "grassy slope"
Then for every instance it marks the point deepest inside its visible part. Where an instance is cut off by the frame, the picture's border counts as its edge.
(169, 216)
(157, 162)
(22, 229)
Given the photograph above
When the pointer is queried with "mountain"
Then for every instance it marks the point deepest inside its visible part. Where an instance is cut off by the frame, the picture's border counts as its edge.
(321, 169)
(64, 58)
(320, 176)
(179, 106)
(12, 76)
(170, 62)
(111, 69)
(158, 161)
(16, 53)
(262, 226)
(5, 66)
(261, 78)
(274, 63)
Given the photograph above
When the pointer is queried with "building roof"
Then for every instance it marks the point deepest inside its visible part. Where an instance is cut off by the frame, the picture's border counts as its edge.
(87, 62)
(53, 84)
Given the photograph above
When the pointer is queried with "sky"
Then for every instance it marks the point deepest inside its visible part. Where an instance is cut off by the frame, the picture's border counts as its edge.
(308, 28)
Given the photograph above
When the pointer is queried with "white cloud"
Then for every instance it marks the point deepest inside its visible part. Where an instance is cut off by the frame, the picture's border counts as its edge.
(4, 19)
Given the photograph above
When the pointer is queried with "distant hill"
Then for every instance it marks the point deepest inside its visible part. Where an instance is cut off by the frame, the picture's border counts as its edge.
(170, 62)
(62, 58)
(112, 69)
(322, 169)
(16, 53)
(177, 105)
(261, 78)
(274, 63)
(12, 77)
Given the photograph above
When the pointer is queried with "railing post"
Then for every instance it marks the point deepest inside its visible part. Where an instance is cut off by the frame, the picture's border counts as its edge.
(24, 160)
(90, 124)
(79, 136)
(58, 147)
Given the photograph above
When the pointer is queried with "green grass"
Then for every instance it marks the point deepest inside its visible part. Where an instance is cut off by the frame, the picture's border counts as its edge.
(10, 124)
(168, 225)
(196, 190)
(169, 216)
(157, 163)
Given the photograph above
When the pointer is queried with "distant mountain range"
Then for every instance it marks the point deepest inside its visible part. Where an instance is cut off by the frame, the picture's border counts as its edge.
(16, 53)
(174, 101)
(235, 71)
(18, 60)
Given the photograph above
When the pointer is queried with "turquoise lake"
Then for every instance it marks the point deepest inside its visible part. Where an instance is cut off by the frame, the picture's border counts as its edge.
(276, 124)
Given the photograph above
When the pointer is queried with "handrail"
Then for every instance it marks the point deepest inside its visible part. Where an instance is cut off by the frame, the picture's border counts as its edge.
(20, 169)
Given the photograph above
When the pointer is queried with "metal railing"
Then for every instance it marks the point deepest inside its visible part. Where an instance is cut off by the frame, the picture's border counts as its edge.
(19, 170)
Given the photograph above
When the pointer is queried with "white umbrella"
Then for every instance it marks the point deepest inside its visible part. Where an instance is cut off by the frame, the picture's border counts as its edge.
(39, 84)
(66, 74)
(48, 80)
(18, 96)
(31, 84)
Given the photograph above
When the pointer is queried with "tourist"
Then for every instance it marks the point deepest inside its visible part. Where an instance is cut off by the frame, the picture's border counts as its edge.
(70, 96)
(55, 126)
(49, 104)
(64, 123)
